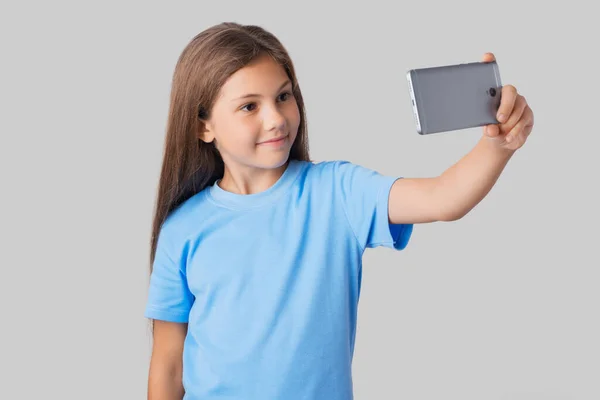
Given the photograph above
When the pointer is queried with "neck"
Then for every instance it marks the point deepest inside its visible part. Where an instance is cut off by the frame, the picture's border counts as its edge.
(250, 180)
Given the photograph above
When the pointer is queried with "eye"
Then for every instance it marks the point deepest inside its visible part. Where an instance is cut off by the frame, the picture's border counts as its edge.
(248, 105)
(252, 106)
(286, 95)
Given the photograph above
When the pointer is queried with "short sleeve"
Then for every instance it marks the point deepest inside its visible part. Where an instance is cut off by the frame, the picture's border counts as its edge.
(169, 297)
(364, 194)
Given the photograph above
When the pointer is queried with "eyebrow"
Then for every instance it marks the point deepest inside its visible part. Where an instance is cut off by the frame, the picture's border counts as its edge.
(258, 95)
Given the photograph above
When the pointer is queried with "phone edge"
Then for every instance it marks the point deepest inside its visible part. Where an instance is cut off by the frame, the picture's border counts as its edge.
(410, 75)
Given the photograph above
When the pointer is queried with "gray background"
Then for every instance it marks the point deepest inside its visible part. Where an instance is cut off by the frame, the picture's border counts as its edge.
(503, 304)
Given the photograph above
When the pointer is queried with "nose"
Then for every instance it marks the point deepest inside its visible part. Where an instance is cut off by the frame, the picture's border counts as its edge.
(274, 119)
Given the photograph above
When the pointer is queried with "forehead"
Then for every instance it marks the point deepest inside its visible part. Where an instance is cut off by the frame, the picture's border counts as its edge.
(262, 76)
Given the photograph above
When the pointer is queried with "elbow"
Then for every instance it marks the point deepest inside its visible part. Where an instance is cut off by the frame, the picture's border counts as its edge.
(452, 215)
(448, 218)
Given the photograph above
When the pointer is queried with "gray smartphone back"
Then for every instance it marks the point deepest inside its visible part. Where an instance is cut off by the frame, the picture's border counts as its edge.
(455, 97)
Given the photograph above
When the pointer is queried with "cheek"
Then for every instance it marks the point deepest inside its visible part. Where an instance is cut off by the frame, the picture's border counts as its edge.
(239, 134)
(293, 116)
(247, 131)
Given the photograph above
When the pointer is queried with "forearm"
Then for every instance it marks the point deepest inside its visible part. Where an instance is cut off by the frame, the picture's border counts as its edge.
(164, 383)
(462, 186)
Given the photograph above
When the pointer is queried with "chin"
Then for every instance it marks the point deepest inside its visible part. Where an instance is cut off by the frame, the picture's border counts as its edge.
(276, 162)
(272, 161)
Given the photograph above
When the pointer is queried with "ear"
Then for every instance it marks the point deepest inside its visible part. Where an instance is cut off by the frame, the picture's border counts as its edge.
(205, 132)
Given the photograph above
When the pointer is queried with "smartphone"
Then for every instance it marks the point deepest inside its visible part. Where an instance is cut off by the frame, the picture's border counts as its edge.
(452, 97)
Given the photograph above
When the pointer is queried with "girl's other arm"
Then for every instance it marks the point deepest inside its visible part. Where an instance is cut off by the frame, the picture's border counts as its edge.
(166, 363)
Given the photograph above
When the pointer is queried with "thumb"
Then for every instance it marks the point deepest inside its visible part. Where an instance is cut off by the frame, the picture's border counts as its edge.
(491, 131)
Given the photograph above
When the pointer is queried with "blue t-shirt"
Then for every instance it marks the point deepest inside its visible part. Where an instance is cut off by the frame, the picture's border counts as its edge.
(269, 282)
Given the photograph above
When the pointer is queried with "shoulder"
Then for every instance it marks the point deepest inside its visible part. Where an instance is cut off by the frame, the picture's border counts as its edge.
(340, 171)
(184, 220)
(344, 179)
(329, 169)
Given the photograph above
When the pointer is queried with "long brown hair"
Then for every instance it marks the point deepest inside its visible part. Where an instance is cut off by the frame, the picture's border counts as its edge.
(189, 164)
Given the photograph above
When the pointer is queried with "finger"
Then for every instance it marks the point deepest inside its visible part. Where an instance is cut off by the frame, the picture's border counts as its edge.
(518, 132)
(527, 131)
(488, 57)
(507, 102)
(517, 112)
(528, 116)
(492, 130)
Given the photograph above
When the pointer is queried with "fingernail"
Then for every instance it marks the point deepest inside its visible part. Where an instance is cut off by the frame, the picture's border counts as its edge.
(501, 117)
(508, 139)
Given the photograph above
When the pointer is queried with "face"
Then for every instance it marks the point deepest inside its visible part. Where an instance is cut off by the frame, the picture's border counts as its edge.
(255, 118)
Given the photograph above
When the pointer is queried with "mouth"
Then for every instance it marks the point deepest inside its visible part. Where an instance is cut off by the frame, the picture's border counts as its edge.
(277, 140)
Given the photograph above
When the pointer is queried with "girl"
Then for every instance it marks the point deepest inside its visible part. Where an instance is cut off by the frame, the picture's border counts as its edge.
(256, 251)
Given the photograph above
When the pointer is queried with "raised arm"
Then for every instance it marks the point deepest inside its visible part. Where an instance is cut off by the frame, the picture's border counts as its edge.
(461, 187)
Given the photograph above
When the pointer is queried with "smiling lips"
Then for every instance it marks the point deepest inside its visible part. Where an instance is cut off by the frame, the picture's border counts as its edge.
(275, 141)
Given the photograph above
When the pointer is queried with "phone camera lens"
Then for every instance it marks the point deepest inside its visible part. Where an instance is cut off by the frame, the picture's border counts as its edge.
(492, 92)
